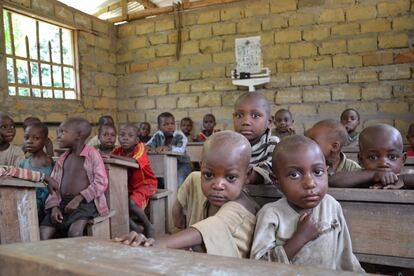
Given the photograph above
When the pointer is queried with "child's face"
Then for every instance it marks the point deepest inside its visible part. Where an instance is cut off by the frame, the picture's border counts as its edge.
(302, 176)
(350, 120)
(319, 135)
(410, 137)
(380, 153)
(283, 121)
(67, 135)
(250, 118)
(34, 139)
(145, 130)
(7, 129)
(107, 137)
(128, 137)
(223, 176)
(186, 127)
(209, 123)
(167, 126)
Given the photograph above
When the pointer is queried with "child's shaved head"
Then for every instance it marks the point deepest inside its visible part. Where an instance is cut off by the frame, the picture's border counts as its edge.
(333, 129)
(256, 97)
(293, 145)
(372, 133)
(130, 125)
(81, 125)
(229, 142)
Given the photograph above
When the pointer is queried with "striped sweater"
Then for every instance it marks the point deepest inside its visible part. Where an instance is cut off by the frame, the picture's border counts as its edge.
(261, 158)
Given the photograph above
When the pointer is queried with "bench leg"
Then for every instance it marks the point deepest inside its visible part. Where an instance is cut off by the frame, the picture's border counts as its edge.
(99, 230)
(158, 216)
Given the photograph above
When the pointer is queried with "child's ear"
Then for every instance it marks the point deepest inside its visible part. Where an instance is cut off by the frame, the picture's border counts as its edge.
(249, 173)
(359, 159)
(404, 157)
(274, 179)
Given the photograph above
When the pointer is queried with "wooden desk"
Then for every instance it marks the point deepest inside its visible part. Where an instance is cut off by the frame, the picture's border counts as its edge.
(88, 256)
(165, 165)
(380, 222)
(117, 195)
(194, 150)
(18, 210)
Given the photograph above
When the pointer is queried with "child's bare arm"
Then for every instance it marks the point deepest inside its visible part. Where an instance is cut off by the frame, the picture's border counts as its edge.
(181, 240)
(408, 180)
(361, 179)
(178, 215)
(74, 204)
(306, 231)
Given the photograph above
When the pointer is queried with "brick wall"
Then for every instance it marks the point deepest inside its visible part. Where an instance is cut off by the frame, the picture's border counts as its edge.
(97, 62)
(325, 55)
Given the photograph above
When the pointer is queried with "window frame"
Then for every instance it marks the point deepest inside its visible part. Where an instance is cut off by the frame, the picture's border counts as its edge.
(75, 51)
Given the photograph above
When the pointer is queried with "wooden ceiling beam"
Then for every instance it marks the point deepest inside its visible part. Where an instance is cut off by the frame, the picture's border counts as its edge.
(147, 4)
(170, 9)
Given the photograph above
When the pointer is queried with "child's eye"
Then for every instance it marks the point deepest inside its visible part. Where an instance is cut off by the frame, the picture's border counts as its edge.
(208, 175)
(294, 175)
(392, 157)
(238, 115)
(372, 157)
(319, 172)
(255, 115)
(231, 178)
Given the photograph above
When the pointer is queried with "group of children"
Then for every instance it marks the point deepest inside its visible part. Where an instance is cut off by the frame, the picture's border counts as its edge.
(213, 211)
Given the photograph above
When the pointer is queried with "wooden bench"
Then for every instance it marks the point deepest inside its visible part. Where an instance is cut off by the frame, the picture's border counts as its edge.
(194, 151)
(158, 211)
(380, 221)
(87, 256)
(99, 227)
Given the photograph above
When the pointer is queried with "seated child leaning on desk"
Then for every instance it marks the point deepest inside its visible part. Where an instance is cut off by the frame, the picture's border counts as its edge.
(107, 137)
(306, 226)
(142, 183)
(382, 158)
(228, 215)
(168, 138)
(83, 181)
(252, 119)
(35, 139)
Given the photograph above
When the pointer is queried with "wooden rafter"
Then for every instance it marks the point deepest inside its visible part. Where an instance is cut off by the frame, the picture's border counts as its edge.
(170, 9)
(147, 4)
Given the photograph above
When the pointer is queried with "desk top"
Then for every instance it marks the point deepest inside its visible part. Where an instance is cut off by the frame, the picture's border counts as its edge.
(120, 162)
(88, 256)
(166, 153)
(8, 181)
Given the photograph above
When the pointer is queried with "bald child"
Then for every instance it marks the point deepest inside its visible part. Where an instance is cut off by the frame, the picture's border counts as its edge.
(221, 215)
(382, 159)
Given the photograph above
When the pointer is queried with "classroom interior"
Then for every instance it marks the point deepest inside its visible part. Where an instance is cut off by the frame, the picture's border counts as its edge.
(147, 57)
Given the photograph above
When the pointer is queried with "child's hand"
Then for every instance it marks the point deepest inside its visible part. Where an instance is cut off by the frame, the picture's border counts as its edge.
(396, 186)
(162, 149)
(56, 215)
(52, 185)
(150, 149)
(385, 178)
(135, 239)
(105, 156)
(73, 204)
(307, 228)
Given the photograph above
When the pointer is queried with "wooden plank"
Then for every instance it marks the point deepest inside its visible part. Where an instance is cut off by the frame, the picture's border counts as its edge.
(372, 195)
(18, 215)
(88, 256)
(15, 182)
(194, 151)
(385, 260)
(381, 229)
(147, 4)
(120, 162)
(117, 198)
(124, 8)
(409, 162)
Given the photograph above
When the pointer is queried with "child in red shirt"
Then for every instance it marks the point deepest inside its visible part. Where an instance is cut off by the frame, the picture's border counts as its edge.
(142, 183)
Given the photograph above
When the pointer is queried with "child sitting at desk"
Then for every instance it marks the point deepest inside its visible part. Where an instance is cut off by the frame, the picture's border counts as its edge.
(382, 158)
(350, 119)
(10, 155)
(144, 132)
(49, 144)
(410, 139)
(306, 226)
(103, 120)
(186, 126)
(252, 119)
(107, 138)
(209, 123)
(168, 138)
(142, 183)
(331, 136)
(227, 215)
(35, 139)
(83, 181)
(283, 122)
